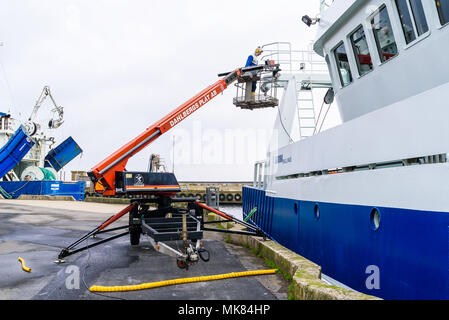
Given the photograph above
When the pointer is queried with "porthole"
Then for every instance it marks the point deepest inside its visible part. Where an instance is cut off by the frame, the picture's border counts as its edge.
(375, 219)
(316, 212)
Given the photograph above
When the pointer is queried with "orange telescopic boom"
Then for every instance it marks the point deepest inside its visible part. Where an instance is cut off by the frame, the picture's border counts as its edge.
(103, 174)
(111, 178)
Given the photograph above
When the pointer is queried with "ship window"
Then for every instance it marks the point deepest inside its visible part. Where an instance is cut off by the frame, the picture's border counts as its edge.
(375, 219)
(413, 19)
(328, 62)
(443, 10)
(341, 58)
(316, 211)
(383, 33)
(361, 51)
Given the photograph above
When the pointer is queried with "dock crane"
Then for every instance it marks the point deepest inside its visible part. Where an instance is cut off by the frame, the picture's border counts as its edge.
(167, 222)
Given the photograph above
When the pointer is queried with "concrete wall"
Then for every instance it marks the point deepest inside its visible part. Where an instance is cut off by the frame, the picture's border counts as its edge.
(306, 275)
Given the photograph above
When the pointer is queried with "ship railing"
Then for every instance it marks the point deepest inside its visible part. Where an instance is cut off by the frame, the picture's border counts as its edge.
(259, 175)
(294, 61)
(324, 5)
(310, 71)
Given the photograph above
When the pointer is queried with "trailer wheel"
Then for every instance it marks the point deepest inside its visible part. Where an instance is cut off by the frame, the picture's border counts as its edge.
(181, 264)
(134, 235)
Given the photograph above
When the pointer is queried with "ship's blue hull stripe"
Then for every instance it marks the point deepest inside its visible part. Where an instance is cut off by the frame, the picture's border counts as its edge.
(410, 248)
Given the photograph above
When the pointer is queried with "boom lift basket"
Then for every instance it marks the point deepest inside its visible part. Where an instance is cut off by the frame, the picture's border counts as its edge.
(266, 90)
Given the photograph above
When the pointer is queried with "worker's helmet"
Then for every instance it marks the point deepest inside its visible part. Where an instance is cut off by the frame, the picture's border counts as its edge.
(259, 51)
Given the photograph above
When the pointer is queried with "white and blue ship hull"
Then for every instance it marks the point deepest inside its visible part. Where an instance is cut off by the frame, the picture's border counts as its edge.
(410, 248)
(393, 160)
(371, 193)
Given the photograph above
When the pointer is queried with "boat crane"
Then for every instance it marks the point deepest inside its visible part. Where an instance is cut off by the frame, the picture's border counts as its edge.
(53, 124)
(167, 222)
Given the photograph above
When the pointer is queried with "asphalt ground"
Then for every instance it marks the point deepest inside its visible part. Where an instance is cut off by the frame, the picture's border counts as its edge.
(38, 230)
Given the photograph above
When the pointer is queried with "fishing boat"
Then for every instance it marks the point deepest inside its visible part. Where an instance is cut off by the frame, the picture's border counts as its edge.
(367, 200)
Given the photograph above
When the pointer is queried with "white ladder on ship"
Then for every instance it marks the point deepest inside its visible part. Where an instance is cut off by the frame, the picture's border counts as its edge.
(306, 112)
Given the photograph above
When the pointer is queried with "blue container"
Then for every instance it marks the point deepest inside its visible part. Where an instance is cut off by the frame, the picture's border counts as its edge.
(14, 150)
(46, 188)
(59, 157)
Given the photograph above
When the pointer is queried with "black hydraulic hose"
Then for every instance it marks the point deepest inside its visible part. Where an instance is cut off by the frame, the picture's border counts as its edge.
(200, 253)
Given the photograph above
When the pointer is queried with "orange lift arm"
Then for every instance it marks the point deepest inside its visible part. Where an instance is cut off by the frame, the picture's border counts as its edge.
(103, 174)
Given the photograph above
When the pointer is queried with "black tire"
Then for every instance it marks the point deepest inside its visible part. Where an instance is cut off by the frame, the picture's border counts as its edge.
(222, 197)
(134, 235)
(181, 264)
(199, 196)
(238, 197)
(230, 197)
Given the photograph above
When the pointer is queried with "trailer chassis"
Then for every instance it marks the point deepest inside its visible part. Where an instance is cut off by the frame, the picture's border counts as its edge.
(167, 223)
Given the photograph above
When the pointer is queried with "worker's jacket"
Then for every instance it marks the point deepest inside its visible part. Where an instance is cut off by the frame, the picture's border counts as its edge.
(251, 62)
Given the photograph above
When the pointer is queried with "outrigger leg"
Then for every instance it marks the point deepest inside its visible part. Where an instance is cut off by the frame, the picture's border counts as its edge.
(166, 223)
(100, 229)
(252, 230)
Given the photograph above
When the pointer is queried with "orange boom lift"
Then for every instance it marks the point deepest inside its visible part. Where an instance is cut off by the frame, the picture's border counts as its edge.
(104, 173)
(167, 222)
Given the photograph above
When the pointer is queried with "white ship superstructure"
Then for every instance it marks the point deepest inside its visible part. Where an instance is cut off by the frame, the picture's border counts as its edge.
(372, 191)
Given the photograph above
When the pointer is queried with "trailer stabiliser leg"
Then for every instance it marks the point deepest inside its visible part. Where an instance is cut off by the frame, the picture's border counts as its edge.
(100, 229)
(252, 229)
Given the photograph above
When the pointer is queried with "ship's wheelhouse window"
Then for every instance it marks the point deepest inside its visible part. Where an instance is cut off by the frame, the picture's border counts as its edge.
(341, 57)
(361, 51)
(383, 33)
(443, 10)
(413, 19)
(328, 62)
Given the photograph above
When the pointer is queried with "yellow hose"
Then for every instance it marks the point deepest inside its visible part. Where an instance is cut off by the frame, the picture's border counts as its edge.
(180, 281)
(24, 268)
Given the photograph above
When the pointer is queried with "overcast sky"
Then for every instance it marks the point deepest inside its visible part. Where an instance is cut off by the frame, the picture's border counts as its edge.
(118, 66)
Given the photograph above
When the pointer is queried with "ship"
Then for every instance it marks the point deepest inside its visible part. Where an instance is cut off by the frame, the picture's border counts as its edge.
(30, 159)
(367, 200)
